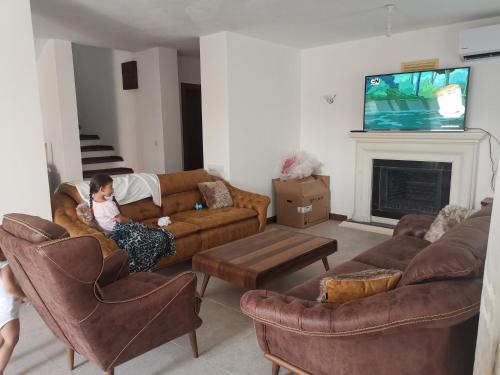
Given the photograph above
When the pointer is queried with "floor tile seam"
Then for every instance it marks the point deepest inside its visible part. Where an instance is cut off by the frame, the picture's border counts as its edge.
(205, 360)
(223, 305)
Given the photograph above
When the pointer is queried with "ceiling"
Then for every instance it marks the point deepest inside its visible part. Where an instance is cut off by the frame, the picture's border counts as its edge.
(140, 24)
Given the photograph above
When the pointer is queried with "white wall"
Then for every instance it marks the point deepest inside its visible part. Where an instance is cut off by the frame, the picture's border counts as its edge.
(251, 107)
(189, 69)
(341, 68)
(24, 186)
(58, 102)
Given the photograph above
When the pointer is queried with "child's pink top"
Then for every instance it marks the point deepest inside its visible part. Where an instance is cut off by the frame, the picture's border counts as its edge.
(105, 213)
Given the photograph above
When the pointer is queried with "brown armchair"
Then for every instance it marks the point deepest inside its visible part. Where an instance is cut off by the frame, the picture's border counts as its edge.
(95, 307)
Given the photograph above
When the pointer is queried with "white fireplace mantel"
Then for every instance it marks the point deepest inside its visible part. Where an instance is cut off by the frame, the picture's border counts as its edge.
(459, 148)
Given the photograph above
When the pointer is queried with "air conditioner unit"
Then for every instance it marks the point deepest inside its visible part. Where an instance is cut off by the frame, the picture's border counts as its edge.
(479, 43)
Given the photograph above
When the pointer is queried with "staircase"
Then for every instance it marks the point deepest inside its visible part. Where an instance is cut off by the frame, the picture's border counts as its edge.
(97, 158)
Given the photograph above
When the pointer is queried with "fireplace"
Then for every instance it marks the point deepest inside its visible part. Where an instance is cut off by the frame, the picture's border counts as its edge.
(400, 187)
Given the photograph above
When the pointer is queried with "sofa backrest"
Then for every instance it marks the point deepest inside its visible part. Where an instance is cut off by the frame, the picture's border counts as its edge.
(459, 253)
(180, 190)
(57, 273)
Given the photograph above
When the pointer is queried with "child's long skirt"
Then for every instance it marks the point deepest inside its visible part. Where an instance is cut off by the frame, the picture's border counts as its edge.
(145, 246)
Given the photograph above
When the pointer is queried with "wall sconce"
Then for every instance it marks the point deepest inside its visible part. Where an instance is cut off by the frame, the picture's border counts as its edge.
(329, 98)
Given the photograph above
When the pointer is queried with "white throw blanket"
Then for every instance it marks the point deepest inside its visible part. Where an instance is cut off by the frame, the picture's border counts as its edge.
(128, 188)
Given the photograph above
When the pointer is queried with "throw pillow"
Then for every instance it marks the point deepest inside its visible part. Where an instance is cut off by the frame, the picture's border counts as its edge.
(350, 286)
(215, 194)
(447, 218)
(83, 213)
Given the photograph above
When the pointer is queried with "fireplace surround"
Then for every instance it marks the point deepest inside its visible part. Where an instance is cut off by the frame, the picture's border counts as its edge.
(459, 150)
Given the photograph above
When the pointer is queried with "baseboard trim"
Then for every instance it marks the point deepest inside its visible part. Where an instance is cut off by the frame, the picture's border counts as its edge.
(271, 220)
(338, 217)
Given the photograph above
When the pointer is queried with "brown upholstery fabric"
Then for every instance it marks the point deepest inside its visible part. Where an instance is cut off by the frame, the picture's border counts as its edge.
(179, 194)
(33, 229)
(426, 328)
(208, 219)
(394, 253)
(459, 253)
(413, 225)
(60, 280)
(178, 228)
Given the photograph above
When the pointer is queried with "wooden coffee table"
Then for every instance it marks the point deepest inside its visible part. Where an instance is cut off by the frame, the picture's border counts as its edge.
(256, 260)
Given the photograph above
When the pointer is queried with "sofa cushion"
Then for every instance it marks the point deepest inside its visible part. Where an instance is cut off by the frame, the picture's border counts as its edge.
(172, 183)
(350, 286)
(309, 289)
(177, 228)
(215, 194)
(206, 219)
(395, 253)
(460, 253)
(178, 202)
(33, 229)
(448, 217)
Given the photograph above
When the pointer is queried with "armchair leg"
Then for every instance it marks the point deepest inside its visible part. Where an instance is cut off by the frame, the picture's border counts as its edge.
(194, 343)
(276, 369)
(70, 354)
(110, 371)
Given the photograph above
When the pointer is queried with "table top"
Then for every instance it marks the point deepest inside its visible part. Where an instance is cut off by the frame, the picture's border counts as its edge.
(274, 250)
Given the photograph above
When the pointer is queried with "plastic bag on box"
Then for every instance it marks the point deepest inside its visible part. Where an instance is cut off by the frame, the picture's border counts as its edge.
(298, 165)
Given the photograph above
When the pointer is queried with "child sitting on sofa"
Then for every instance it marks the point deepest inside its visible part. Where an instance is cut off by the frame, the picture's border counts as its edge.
(144, 246)
(11, 297)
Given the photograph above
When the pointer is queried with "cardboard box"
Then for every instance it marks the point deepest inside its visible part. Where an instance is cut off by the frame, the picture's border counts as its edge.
(302, 203)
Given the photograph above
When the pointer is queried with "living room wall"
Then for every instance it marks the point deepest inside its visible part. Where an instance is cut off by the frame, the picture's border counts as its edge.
(24, 183)
(340, 69)
(251, 107)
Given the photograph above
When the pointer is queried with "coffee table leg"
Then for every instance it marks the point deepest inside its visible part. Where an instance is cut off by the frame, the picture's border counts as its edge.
(325, 263)
(204, 284)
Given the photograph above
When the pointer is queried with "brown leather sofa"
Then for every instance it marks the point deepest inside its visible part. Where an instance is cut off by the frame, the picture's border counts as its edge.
(426, 325)
(194, 230)
(95, 307)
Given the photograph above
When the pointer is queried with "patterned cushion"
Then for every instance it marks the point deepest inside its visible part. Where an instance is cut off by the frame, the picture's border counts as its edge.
(346, 287)
(215, 194)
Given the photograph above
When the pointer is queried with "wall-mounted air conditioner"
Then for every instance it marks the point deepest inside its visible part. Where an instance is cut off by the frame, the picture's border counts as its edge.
(479, 43)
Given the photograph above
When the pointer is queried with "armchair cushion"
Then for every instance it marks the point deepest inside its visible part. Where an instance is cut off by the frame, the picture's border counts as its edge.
(132, 286)
(33, 229)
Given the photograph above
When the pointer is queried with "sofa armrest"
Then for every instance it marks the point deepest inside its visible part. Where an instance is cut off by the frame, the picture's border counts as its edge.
(431, 305)
(115, 266)
(413, 225)
(257, 202)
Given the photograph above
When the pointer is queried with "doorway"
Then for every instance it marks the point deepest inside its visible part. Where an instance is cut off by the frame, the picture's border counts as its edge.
(192, 134)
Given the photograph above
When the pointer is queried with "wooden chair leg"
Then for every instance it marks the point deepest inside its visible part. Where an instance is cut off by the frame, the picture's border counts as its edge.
(204, 284)
(325, 263)
(276, 369)
(194, 343)
(70, 354)
(111, 371)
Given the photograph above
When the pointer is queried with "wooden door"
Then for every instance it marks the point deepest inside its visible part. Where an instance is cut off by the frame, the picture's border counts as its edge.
(192, 135)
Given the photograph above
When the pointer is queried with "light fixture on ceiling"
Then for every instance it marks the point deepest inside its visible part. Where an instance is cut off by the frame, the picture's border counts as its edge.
(388, 26)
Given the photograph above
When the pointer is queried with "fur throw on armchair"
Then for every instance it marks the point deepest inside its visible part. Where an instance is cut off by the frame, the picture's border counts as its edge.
(447, 218)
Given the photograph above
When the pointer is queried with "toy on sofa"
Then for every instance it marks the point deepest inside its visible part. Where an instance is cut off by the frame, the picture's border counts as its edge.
(198, 206)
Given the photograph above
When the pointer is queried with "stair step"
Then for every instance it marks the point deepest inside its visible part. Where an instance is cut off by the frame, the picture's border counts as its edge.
(101, 159)
(96, 148)
(88, 137)
(109, 171)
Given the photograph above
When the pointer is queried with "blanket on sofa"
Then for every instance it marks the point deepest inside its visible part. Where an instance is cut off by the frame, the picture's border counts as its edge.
(145, 246)
(128, 188)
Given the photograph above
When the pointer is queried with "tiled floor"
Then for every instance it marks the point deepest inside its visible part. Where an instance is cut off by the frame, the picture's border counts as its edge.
(226, 339)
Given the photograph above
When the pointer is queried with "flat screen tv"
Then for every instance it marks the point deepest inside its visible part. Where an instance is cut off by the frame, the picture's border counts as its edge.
(432, 100)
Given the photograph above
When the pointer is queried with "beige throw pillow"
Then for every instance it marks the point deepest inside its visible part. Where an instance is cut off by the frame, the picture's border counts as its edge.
(215, 194)
(350, 286)
(446, 219)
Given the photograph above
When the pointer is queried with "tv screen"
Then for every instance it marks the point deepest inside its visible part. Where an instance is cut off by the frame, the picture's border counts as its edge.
(433, 100)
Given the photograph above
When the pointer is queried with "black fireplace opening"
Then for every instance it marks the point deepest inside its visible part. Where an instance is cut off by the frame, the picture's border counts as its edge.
(401, 187)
